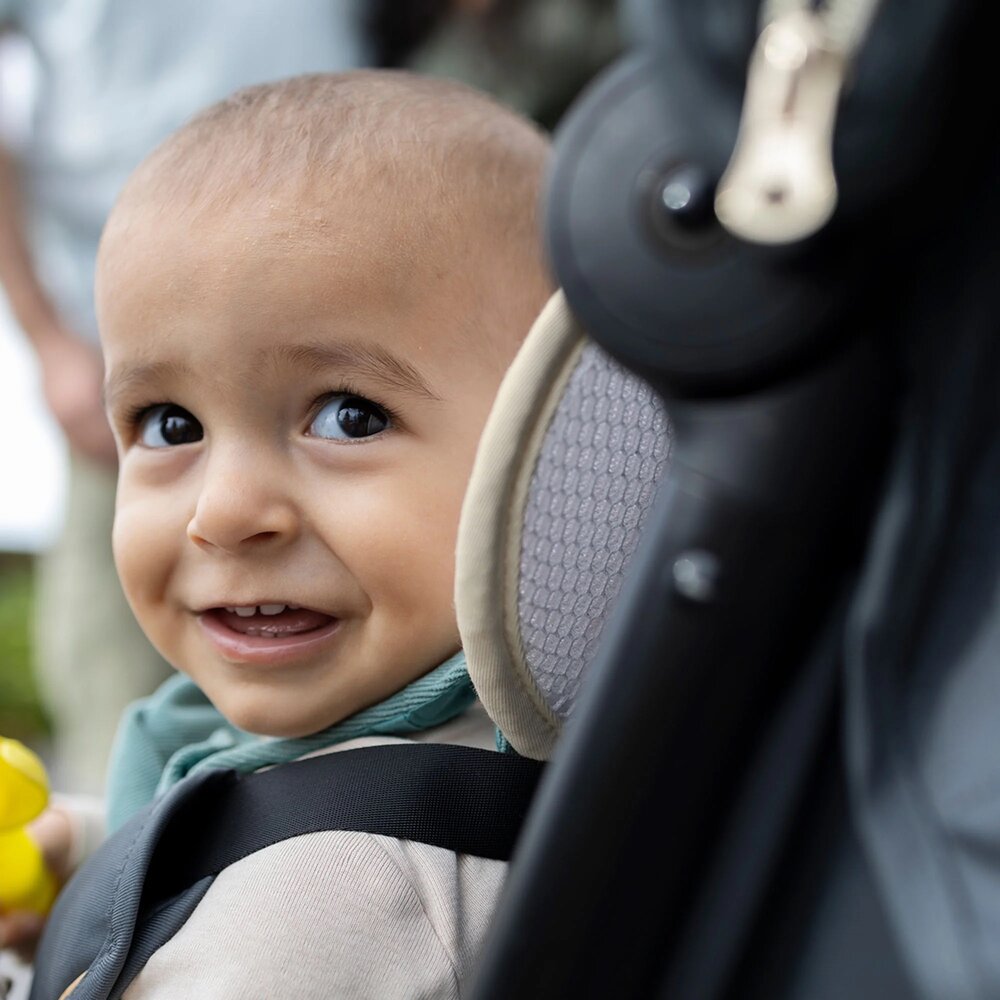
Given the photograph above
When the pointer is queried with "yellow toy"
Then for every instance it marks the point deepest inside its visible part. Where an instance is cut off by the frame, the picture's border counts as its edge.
(25, 881)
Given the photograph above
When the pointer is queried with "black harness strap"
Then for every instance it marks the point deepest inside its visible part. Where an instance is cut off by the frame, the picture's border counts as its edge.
(461, 798)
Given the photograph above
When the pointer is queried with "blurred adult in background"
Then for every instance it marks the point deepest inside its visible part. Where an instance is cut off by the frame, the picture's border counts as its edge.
(113, 77)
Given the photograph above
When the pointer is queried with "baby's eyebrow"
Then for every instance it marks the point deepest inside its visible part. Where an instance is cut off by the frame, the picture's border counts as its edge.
(364, 360)
(121, 380)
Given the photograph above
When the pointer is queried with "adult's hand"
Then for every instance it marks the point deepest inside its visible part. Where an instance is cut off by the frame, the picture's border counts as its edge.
(72, 376)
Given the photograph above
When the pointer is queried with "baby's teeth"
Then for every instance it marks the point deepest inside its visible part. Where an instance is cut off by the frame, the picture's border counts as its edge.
(264, 609)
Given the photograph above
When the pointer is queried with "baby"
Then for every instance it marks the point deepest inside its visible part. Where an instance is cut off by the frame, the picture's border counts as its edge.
(307, 299)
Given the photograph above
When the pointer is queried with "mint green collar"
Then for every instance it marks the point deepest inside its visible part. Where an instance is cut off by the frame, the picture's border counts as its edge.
(177, 732)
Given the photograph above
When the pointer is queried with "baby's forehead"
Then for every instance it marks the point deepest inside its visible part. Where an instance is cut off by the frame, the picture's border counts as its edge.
(333, 265)
(400, 213)
(334, 255)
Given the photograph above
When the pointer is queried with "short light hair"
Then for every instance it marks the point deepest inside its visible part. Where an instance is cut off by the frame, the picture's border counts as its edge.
(436, 148)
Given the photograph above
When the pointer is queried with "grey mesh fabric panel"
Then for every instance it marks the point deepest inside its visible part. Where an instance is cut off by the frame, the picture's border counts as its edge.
(602, 456)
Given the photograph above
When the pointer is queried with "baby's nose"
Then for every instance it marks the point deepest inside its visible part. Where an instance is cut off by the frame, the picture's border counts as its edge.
(242, 505)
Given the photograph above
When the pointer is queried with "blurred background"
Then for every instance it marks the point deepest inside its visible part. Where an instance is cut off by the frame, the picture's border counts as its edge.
(32, 454)
(31, 499)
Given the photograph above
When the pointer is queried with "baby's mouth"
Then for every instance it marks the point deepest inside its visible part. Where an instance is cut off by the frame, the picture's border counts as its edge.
(271, 621)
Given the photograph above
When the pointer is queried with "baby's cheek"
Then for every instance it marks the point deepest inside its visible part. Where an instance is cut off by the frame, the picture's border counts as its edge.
(144, 553)
(124, 544)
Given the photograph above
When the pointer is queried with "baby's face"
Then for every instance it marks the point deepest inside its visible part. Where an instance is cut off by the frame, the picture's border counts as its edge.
(296, 421)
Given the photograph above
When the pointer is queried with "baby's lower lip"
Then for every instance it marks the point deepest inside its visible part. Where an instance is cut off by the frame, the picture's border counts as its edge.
(267, 639)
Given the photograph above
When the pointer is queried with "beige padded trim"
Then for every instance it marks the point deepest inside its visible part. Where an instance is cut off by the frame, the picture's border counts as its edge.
(489, 536)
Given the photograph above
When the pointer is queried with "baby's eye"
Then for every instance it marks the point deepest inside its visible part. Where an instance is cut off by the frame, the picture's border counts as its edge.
(344, 417)
(166, 425)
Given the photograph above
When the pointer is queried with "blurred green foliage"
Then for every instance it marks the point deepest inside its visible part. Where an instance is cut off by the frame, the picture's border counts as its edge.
(21, 714)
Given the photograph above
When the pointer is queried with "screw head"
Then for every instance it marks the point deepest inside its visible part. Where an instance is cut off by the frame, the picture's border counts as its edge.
(696, 575)
(680, 207)
(687, 197)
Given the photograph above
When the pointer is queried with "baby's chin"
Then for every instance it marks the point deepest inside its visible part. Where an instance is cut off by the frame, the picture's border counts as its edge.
(267, 717)
(275, 727)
